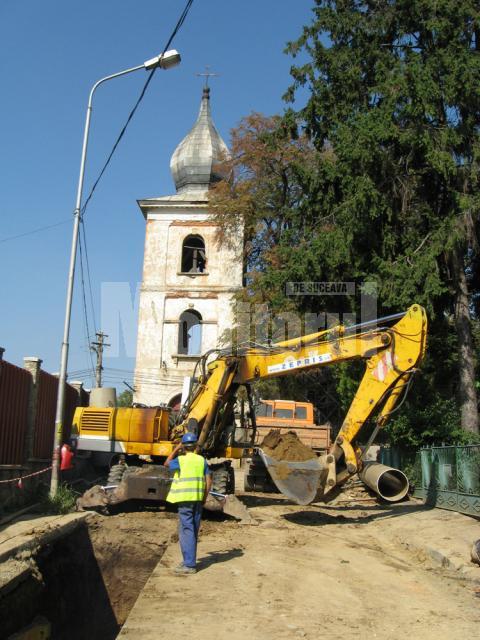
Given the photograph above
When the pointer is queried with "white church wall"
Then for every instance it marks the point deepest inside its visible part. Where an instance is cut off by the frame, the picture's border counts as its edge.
(156, 252)
(149, 337)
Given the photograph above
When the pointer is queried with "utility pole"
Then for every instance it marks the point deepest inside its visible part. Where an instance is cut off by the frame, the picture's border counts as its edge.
(165, 61)
(98, 347)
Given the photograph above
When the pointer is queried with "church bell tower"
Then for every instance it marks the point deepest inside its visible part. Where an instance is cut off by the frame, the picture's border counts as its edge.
(189, 278)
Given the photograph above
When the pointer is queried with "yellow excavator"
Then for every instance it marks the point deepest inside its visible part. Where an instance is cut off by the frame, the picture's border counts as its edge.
(138, 440)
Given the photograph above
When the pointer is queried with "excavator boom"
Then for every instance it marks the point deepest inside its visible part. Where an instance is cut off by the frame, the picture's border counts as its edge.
(392, 355)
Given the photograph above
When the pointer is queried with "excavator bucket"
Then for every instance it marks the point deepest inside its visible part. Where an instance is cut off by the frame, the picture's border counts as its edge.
(299, 481)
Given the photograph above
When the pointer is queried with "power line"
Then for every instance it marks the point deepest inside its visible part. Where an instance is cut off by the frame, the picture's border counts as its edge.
(85, 310)
(117, 141)
(88, 276)
(179, 24)
(118, 378)
(38, 230)
(141, 376)
(177, 28)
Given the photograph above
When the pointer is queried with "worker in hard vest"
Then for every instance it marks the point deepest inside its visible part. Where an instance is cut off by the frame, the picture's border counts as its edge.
(189, 490)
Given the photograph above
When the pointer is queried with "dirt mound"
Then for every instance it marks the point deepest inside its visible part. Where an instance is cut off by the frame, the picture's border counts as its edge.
(286, 446)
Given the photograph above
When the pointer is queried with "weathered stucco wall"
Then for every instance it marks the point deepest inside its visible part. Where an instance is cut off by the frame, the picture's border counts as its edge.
(166, 293)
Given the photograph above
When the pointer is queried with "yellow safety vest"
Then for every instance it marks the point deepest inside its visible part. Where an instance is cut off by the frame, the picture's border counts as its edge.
(188, 485)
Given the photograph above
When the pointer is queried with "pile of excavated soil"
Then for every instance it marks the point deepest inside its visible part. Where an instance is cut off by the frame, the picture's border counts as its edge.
(286, 446)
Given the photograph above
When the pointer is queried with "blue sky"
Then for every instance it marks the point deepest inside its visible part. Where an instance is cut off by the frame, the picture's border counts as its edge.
(51, 53)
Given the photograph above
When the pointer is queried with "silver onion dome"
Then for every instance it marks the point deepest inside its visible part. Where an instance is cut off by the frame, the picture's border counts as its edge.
(195, 162)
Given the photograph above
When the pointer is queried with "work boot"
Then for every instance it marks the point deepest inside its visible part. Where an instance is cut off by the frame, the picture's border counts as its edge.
(182, 570)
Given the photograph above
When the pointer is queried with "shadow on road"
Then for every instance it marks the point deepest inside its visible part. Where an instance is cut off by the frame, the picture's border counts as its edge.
(368, 514)
(214, 557)
(252, 500)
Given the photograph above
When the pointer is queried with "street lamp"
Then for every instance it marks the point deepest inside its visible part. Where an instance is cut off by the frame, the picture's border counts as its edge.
(165, 60)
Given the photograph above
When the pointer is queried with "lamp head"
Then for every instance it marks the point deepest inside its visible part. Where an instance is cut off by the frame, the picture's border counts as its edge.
(166, 60)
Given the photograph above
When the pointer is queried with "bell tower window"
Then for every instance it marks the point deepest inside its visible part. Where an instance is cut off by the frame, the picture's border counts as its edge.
(190, 333)
(194, 258)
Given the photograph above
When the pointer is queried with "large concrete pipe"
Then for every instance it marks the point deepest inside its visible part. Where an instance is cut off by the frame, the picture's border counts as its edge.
(103, 397)
(390, 484)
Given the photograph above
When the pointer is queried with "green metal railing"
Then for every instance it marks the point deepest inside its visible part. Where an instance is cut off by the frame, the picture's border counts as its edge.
(450, 478)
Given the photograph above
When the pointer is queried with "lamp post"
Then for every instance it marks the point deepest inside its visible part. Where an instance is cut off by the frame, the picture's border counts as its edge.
(164, 61)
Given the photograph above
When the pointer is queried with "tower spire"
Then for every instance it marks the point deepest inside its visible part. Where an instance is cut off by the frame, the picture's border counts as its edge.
(196, 162)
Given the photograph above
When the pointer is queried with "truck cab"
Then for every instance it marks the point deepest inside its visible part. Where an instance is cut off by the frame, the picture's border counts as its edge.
(288, 415)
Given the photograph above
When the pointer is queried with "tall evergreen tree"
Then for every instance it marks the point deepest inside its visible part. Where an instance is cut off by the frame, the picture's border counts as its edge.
(394, 91)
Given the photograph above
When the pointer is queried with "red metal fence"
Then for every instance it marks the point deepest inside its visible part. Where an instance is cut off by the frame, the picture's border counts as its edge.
(46, 402)
(45, 414)
(15, 384)
(15, 395)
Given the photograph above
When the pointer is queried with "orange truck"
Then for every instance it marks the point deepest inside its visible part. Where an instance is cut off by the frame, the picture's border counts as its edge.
(288, 415)
(285, 415)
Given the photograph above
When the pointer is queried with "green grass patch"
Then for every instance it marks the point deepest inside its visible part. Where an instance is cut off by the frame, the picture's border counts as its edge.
(62, 502)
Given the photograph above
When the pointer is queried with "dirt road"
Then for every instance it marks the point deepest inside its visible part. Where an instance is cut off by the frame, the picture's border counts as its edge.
(305, 572)
(301, 572)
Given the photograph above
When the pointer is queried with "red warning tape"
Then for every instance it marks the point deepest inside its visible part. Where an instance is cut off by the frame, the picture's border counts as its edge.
(21, 478)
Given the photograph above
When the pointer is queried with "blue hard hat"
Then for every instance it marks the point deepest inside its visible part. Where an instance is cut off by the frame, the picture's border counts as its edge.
(189, 438)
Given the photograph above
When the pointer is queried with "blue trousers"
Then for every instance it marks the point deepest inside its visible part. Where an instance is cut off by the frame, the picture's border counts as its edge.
(189, 517)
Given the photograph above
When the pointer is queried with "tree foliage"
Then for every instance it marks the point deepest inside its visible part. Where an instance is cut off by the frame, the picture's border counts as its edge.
(264, 199)
(394, 89)
(375, 179)
(125, 398)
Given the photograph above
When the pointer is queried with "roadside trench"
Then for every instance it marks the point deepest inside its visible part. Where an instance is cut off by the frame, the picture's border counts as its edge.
(85, 582)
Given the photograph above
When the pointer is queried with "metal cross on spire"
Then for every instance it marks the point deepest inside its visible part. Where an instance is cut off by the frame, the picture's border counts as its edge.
(207, 74)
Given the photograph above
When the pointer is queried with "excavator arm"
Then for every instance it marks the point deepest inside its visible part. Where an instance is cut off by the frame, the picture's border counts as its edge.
(391, 353)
